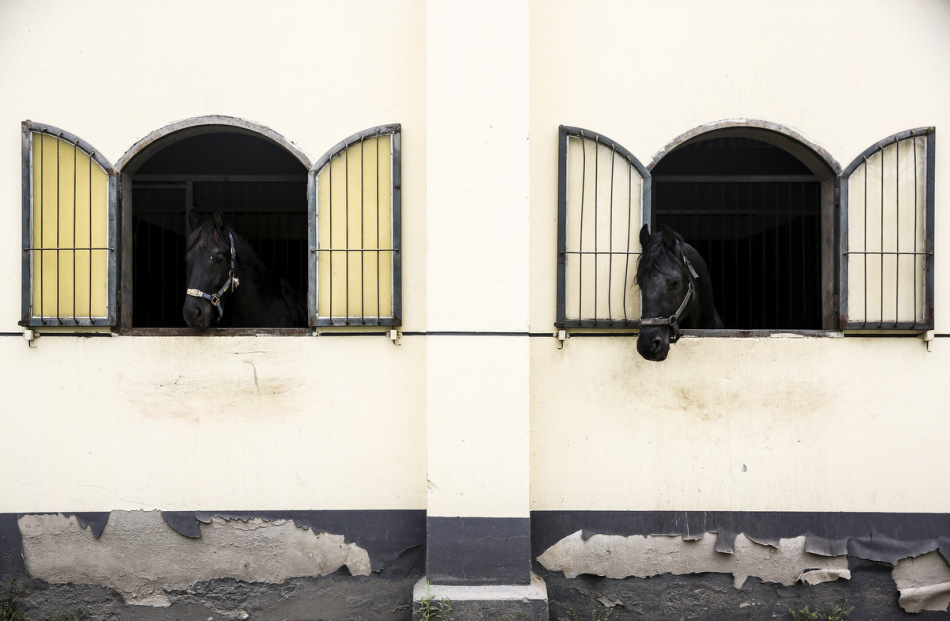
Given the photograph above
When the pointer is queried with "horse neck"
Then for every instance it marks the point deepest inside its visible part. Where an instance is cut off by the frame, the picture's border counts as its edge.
(253, 276)
(703, 309)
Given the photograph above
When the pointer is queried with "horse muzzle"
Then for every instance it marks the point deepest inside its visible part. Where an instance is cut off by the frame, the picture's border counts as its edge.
(198, 313)
(653, 343)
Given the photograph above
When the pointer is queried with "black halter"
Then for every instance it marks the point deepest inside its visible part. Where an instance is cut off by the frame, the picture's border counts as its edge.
(231, 282)
(673, 321)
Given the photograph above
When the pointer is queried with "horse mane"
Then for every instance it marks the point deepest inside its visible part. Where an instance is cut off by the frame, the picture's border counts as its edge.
(655, 255)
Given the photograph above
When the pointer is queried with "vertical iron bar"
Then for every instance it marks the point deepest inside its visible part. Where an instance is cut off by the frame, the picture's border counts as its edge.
(881, 247)
(806, 314)
(867, 170)
(776, 288)
(59, 140)
(626, 270)
(580, 248)
(75, 190)
(90, 236)
(763, 218)
(379, 290)
(915, 229)
(362, 254)
(751, 225)
(897, 229)
(735, 253)
(330, 251)
(789, 311)
(346, 231)
(610, 241)
(563, 141)
(42, 221)
(596, 210)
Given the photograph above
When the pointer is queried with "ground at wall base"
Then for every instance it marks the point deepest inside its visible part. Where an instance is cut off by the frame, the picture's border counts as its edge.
(713, 597)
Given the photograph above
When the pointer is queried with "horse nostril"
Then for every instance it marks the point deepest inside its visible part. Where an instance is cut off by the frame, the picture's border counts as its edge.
(657, 343)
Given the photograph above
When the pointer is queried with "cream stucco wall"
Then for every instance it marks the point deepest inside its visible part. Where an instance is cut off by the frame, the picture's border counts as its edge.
(263, 423)
(821, 424)
(811, 424)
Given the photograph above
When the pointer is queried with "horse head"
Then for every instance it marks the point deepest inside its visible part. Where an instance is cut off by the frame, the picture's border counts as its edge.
(210, 270)
(674, 292)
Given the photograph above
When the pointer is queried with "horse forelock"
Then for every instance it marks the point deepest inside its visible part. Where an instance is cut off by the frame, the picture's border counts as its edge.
(206, 234)
(658, 257)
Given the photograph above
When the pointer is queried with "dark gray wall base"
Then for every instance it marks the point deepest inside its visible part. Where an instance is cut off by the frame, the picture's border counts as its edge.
(884, 537)
(712, 597)
(330, 598)
(478, 550)
(11, 549)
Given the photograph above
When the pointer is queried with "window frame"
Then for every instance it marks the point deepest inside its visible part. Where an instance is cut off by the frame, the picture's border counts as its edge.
(834, 227)
(28, 319)
(118, 214)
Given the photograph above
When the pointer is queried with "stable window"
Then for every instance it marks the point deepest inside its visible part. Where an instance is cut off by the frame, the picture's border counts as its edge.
(104, 245)
(792, 243)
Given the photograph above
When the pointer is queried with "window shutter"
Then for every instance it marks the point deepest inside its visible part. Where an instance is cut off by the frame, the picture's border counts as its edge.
(355, 231)
(887, 235)
(603, 198)
(69, 258)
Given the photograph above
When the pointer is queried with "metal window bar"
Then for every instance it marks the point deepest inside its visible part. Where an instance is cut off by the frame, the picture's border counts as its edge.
(596, 225)
(728, 219)
(269, 212)
(67, 249)
(359, 271)
(877, 266)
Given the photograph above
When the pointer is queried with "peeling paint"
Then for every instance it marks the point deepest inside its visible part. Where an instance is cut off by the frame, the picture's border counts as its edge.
(817, 576)
(615, 556)
(923, 582)
(141, 557)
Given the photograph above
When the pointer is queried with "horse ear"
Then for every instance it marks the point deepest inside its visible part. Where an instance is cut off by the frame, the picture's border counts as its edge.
(218, 220)
(669, 237)
(645, 236)
(194, 220)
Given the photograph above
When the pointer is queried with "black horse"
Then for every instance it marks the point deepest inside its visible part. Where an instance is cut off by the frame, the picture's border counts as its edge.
(675, 292)
(229, 285)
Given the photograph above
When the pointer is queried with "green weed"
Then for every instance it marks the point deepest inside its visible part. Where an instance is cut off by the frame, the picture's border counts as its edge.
(431, 609)
(836, 613)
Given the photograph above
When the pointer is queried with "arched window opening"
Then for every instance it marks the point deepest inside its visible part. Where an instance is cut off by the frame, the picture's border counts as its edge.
(258, 186)
(755, 212)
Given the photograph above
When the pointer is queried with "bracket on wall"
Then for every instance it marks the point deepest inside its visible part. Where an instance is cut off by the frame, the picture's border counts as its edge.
(561, 336)
(928, 338)
(30, 336)
(394, 336)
